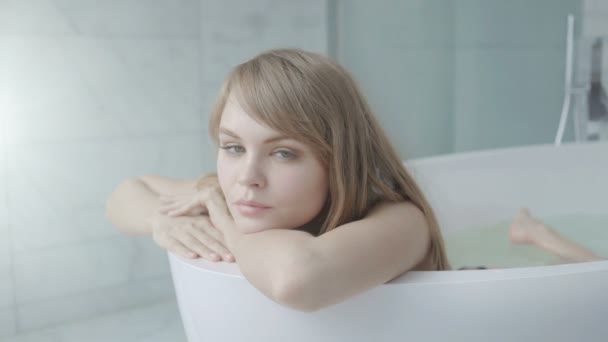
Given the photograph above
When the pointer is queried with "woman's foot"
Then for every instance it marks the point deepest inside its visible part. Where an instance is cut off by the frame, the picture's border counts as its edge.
(526, 229)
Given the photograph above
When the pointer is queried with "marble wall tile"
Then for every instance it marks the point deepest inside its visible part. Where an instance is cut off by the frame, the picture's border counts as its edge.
(66, 88)
(8, 325)
(409, 24)
(39, 314)
(235, 30)
(147, 323)
(506, 91)
(7, 296)
(415, 114)
(132, 17)
(595, 24)
(515, 23)
(32, 17)
(158, 321)
(148, 260)
(67, 184)
(168, 72)
(6, 273)
(595, 6)
(71, 269)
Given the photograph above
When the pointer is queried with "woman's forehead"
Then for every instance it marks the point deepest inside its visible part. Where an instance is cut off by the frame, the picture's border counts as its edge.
(237, 123)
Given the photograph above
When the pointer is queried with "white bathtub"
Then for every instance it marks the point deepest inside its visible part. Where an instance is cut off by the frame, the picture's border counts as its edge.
(548, 303)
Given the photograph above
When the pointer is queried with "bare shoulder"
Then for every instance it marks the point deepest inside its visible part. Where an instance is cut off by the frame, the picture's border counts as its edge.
(394, 235)
(399, 216)
(405, 222)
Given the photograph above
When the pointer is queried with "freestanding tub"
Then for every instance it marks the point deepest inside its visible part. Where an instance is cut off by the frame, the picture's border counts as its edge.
(546, 303)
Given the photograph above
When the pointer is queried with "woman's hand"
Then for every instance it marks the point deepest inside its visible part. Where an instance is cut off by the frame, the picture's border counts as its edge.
(190, 237)
(219, 216)
(190, 204)
(187, 205)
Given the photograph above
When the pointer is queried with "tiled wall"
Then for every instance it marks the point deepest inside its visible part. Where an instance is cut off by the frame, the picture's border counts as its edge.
(449, 76)
(401, 52)
(91, 93)
(509, 71)
(235, 30)
(595, 18)
(7, 297)
(595, 25)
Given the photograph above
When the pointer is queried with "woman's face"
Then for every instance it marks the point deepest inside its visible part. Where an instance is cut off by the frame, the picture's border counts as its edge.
(270, 181)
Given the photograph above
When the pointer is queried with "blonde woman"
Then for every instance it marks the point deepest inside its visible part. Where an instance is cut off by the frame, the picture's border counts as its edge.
(310, 197)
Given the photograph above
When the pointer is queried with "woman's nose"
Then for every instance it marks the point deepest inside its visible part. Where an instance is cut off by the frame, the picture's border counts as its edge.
(251, 174)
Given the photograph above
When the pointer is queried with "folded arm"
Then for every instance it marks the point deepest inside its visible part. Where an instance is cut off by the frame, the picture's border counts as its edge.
(135, 201)
(309, 273)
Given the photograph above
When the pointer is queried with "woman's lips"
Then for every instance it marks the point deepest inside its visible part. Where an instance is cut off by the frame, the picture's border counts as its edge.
(251, 208)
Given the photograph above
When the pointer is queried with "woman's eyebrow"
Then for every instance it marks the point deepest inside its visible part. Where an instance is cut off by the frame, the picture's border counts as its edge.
(228, 132)
(269, 140)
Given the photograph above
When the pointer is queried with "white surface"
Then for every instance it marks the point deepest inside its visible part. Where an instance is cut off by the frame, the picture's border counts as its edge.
(548, 303)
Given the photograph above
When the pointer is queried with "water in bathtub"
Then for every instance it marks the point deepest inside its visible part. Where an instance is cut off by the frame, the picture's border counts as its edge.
(490, 246)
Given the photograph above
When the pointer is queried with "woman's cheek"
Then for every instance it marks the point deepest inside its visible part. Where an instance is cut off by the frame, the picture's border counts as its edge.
(225, 174)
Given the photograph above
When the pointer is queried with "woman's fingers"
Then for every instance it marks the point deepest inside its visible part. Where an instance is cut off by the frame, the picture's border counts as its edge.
(180, 209)
(178, 248)
(168, 199)
(167, 208)
(201, 249)
(211, 242)
(189, 204)
(191, 207)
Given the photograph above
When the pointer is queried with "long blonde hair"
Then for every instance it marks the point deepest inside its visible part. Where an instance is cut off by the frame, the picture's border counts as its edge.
(313, 99)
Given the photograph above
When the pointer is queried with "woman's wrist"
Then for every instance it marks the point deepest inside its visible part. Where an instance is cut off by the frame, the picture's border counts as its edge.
(151, 222)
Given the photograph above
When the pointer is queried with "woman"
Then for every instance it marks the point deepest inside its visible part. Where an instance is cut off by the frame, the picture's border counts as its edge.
(308, 189)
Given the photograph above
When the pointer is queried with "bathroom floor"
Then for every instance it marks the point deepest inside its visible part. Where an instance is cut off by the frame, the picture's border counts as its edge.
(151, 323)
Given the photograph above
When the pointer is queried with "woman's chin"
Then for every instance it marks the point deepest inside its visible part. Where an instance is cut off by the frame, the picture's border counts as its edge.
(248, 227)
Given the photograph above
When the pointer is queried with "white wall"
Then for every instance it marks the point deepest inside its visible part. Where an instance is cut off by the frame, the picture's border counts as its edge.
(91, 93)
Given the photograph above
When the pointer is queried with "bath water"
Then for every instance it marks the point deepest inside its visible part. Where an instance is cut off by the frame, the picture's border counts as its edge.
(490, 246)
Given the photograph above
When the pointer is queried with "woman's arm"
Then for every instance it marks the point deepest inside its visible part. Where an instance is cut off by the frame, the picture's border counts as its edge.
(309, 273)
(135, 201)
(134, 208)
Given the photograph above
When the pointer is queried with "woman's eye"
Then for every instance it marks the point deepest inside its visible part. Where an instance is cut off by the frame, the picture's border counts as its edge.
(233, 149)
(285, 154)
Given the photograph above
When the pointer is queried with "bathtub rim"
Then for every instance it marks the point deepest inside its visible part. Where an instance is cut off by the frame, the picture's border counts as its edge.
(231, 270)
(459, 156)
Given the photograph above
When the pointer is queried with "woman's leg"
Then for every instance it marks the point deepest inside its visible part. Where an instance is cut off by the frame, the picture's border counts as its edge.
(525, 229)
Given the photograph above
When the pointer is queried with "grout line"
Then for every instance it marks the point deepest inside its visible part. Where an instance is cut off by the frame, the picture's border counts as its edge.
(109, 138)
(49, 331)
(332, 32)
(105, 288)
(203, 106)
(4, 147)
(66, 17)
(152, 36)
